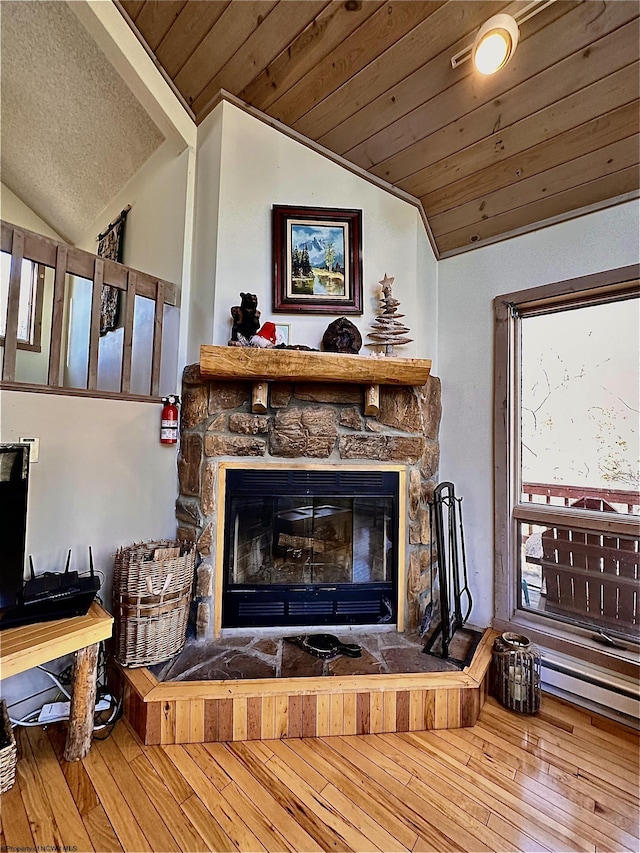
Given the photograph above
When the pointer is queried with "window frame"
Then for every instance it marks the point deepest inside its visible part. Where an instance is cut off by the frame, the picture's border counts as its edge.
(558, 636)
(36, 305)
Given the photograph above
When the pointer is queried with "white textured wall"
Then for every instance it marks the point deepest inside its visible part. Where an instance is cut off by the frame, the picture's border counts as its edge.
(261, 167)
(154, 233)
(467, 285)
(205, 240)
(103, 478)
(153, 242)
(13, 209)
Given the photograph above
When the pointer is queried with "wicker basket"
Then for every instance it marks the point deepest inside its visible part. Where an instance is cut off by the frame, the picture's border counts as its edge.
(152, 586)
(9, 752)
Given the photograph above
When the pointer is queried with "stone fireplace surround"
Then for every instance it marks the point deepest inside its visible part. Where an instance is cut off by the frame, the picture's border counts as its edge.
(306, 423)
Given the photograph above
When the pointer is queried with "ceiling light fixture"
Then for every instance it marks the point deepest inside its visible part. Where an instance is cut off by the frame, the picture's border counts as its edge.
(496, 40)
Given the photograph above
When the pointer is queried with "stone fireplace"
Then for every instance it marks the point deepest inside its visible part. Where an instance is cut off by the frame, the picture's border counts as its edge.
(293, 507)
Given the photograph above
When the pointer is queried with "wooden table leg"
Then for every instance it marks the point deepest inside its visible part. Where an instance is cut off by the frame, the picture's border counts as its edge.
(83, 702)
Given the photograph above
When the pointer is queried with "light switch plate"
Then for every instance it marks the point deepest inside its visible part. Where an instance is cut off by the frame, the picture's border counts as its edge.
(34, 445)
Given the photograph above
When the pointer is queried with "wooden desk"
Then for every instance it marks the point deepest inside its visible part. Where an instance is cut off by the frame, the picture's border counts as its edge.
(27, 646)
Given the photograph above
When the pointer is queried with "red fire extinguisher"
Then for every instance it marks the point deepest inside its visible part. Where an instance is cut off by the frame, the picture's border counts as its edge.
(169, 420)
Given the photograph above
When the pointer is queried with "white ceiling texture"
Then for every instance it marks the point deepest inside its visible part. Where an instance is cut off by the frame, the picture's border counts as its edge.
(71, 132)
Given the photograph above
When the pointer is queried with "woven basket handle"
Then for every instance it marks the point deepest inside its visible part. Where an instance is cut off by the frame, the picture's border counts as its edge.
(162, 591)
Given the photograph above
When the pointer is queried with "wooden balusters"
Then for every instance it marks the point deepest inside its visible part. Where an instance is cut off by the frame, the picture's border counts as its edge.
(59, 287)
(13, 305)
(69, 261)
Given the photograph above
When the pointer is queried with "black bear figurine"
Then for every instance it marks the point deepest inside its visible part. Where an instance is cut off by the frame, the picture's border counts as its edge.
(246, 320)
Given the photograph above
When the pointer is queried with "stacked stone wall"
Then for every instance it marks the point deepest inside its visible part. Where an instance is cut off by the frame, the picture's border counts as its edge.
(305, 422)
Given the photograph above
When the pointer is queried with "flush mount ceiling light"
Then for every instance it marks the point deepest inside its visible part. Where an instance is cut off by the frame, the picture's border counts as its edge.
(495, 43)
(496, 40)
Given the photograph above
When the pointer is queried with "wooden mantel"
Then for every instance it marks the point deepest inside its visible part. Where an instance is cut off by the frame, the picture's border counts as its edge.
(264, 365)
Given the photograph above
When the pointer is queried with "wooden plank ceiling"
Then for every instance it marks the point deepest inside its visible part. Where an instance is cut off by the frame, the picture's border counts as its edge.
(553, 133)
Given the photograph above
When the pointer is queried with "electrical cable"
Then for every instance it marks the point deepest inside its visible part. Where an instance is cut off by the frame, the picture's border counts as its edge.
(102, 728)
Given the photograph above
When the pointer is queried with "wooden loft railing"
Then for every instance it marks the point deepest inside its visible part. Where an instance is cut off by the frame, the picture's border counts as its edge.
(66, 261)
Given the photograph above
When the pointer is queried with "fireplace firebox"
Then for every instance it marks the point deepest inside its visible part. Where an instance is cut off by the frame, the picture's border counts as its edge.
(306, 547)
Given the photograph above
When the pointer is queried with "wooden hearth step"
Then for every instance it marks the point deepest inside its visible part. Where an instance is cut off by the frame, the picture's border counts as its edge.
(263, 709)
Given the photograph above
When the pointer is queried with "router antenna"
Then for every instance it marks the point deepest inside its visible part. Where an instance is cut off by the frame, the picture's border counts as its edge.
(66, 568)
(33, 574)
(90, 561)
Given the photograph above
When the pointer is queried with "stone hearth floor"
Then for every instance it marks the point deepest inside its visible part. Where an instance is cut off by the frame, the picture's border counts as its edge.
(271, 656)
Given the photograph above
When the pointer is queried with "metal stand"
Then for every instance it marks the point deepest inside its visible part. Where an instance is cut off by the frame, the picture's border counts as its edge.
(446, 524)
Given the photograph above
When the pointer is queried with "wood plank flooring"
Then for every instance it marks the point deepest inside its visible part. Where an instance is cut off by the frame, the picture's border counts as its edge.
(564, 780)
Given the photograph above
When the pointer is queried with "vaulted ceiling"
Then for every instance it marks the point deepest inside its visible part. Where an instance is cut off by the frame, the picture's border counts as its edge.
(71, 132)
(554, 133)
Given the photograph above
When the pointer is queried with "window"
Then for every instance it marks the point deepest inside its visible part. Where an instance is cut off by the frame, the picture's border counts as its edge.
(567, 459)
(30, 304)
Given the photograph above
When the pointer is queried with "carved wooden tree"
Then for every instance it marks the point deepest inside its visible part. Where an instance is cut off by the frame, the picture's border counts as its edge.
(388, 331)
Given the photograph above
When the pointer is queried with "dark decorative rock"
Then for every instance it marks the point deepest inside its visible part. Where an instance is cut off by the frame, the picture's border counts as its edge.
(246, 666)
(383, 448)
(431, 404)
(280, 394)
(191, 375)
(325, 392)
(233, 445)
(296, 662)
(248, 424)
(414, 660)
(187, 534)
(351, 418)
(415, 489)
(342, 336)
(218, 424)
(188, 512)
(304, 432)
(227, 395)
(364, 665)
(399, 409)
(204, 541)
(204, 580)
(195, 404)
(430, 459)
(267, 647)
(208, 488)
(189, 464)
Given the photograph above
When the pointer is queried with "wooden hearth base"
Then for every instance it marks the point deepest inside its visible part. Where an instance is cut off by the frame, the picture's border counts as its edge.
(263, 709)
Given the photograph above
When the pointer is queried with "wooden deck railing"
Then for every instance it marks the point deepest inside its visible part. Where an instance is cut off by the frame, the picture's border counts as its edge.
(67, 260)
(621, 499)
(589, 573)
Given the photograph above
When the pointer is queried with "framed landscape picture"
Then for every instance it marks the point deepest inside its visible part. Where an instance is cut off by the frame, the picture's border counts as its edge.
(317, 260)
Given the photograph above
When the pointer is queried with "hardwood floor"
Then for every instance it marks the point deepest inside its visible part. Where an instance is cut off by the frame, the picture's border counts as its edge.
(564, 780)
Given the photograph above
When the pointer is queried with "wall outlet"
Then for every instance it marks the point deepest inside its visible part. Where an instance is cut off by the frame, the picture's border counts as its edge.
(34, 447)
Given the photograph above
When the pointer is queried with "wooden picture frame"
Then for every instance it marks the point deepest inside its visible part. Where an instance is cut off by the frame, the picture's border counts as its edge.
(317, 260)
(283, 332)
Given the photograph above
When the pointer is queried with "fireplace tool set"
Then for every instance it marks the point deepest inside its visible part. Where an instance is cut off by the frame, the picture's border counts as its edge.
(445, 524)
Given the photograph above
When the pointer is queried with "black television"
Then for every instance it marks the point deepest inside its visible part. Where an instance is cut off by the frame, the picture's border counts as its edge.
(43, 597)
(14, 482)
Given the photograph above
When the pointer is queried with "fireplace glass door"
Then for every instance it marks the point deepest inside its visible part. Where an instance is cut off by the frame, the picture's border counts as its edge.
(300, 552)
